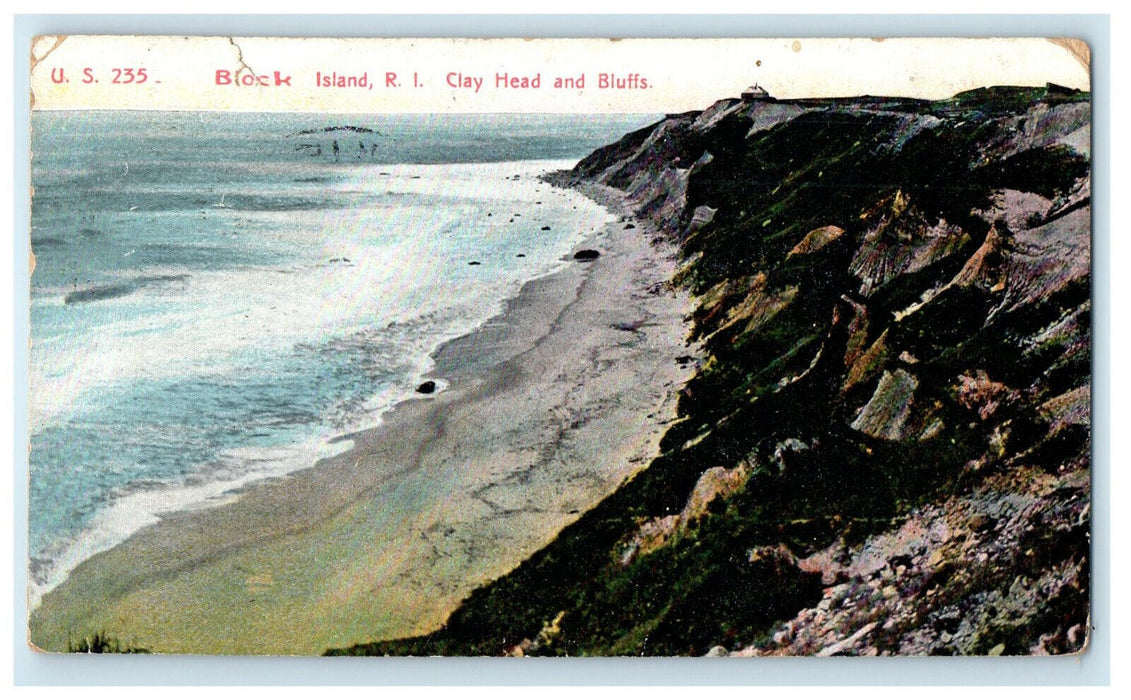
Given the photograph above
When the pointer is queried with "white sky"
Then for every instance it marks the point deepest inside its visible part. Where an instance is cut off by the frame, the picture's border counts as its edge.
(681, 74)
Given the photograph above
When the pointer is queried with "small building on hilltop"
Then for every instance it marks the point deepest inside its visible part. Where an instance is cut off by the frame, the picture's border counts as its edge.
(755, 93)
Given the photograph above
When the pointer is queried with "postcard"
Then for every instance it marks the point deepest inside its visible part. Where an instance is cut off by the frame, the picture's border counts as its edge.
(560, 347)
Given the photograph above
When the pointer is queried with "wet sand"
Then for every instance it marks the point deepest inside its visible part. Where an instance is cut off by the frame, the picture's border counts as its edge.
(548, 407)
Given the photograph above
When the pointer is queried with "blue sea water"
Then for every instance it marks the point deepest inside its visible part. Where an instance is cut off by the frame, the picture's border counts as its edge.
(216, 295)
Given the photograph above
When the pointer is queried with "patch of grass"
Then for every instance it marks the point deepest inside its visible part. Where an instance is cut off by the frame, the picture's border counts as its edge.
(101, 643)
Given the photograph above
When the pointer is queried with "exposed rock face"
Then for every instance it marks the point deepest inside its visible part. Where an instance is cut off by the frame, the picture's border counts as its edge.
(886, 413)
(1001, 570)
(715, 483)
(902, 240)
(894, 401)
(816, 239)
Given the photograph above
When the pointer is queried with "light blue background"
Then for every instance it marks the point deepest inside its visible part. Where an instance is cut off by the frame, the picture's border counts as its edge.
(1091, 668)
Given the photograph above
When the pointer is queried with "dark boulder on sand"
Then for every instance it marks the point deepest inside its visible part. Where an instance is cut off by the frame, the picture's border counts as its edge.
(427, 387)
(586, 254)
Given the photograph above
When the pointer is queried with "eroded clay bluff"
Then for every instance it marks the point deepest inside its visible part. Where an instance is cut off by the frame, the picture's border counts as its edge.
(886, 446)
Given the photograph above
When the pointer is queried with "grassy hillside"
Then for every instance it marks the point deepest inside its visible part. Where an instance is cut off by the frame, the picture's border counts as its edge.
(886, 446)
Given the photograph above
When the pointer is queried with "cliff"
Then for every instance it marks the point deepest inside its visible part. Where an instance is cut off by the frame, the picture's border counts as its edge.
(886, 447)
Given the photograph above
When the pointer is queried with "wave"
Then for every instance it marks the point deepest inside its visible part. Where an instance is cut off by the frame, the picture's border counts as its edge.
(121, 289)
(141, 503)
(305, 327)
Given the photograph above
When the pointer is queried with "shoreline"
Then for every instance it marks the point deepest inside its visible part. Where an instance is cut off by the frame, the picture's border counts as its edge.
(130, 507)
(548, 407)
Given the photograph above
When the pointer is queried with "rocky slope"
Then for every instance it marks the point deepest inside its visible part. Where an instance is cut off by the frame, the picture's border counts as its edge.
(886, 447)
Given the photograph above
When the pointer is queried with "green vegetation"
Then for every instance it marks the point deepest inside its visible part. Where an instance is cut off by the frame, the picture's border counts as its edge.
(101, 643)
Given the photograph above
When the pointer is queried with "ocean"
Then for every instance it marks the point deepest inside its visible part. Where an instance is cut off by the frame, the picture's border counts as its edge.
(218, 296)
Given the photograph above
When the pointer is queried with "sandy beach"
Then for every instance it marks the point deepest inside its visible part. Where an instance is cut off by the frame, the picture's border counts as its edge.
(544, 411)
